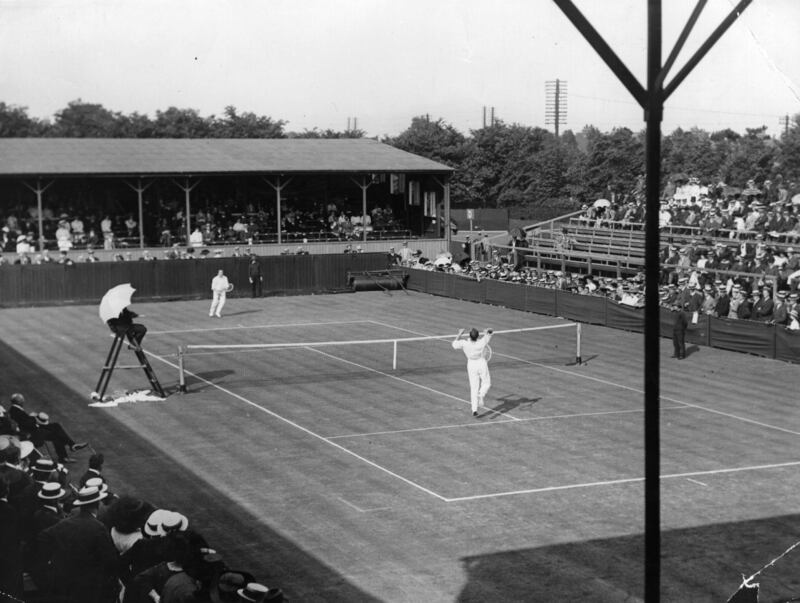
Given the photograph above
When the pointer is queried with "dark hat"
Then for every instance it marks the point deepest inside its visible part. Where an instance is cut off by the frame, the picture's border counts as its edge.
(254, 592)
(42, 418)
(51, 491)
(226, 585)
(43, 467)
(89, 495)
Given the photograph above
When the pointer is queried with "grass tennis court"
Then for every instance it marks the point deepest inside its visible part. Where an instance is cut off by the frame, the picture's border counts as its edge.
(327, 473)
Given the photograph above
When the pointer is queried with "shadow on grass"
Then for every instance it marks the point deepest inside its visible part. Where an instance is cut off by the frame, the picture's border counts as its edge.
(137, 466)
(701, 565)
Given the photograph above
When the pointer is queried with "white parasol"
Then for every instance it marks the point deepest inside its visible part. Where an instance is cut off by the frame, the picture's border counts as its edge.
(796, 199)
(601, 203)
(115, 301)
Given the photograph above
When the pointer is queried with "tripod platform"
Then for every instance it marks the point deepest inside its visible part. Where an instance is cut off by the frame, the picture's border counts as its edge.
(111, 363)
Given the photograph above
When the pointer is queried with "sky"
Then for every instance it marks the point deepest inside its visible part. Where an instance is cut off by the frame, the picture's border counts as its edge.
(320, 63)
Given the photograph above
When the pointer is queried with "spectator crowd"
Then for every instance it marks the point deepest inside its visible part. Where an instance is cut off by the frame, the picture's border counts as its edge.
(70, 538)
(217, 223)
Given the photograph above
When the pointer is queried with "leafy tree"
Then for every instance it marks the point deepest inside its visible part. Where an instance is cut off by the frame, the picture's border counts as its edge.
(752, 157)
(246, 125)
(182, 123)
(614, 160)
(789, 156)
(328, 133)
(435, 140)
(15, 123)
(86, 120)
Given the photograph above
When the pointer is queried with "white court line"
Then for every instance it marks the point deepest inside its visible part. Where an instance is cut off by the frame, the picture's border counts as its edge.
(396, 378)
(626, 387)
(304, 429)
(694, 481)
(274, 326)
(501, 422)
(614, 482)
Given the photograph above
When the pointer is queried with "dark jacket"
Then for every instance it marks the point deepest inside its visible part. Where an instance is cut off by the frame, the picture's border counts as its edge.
(83, 561)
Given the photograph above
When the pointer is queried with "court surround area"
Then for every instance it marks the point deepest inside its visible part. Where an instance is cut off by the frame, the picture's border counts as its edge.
(326, 472)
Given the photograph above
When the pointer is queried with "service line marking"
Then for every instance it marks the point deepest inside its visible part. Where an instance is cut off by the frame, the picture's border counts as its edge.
(694, 481)
(396, 378)
(359, 509)
(305, 430)
(626, 387)
(614, 482)
(500, 422)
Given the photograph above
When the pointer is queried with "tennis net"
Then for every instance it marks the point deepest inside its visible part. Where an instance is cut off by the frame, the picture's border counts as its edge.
(559, 342)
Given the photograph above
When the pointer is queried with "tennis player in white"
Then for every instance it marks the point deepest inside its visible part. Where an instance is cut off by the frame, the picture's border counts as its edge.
(477, 367)
(219, 289)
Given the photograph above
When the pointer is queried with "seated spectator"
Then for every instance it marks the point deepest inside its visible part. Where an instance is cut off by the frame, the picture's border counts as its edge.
(63, 236)
(196, 238)
(130, 226)
(124, 326)
(793, 325)
(38, 428)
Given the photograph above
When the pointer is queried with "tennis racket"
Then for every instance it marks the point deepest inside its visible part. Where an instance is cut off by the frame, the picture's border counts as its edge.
(230, 288)
(487, 353)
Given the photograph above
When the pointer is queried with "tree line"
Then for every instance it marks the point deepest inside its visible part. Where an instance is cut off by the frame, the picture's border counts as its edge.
(525, 168)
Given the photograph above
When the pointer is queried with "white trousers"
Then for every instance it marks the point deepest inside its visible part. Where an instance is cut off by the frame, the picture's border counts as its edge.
(479, 381)
(217, 303)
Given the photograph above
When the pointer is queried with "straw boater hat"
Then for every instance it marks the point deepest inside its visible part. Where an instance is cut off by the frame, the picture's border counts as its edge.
(51, 491)
(89, 495)
(42, 418)
(97, 482)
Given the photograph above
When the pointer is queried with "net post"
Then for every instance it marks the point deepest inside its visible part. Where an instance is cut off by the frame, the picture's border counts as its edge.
(181, 374)
(578, 344)
(394, 356)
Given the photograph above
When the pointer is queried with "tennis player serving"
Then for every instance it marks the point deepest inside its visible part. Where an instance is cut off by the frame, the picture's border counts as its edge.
(475, 349)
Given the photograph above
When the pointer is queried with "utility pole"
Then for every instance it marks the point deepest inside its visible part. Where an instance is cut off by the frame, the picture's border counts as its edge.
(492, 117)
(555, 108)
(784, 121)
(484, 116)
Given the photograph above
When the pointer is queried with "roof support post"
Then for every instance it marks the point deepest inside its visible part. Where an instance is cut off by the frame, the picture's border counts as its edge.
(39, 190)
(363, 185)
(187, 190)
(652, 321)
(652, 101)
(139, 191)
(278, 188)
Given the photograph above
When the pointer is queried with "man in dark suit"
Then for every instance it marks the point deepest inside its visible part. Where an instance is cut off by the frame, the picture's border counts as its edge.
(780, 312)
(124, 326)
(39, 429)
(723, 302)
(10, 547)
(83, 562)
(679, 333)
(255, 276)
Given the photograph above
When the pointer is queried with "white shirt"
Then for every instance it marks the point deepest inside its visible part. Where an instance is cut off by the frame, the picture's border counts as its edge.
(473, 350)
(219, 283)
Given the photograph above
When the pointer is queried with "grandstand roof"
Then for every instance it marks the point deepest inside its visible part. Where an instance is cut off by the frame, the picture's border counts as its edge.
(65, 157)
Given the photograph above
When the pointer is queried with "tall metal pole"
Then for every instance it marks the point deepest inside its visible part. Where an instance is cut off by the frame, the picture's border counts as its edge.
(364, 187)
(558, 101)
(139, 191)
(652, 335)
(40, 209)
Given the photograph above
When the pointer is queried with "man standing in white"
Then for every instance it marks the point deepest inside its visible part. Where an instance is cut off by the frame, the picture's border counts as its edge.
(477, 367)
(219, 288)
